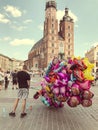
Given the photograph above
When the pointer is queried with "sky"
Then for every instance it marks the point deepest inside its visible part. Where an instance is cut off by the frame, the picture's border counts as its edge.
(21, 25)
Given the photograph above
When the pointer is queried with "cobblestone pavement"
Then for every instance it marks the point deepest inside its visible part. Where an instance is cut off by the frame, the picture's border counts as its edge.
(45, 118)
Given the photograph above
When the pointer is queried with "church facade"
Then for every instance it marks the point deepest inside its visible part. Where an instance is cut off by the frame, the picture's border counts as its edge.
(57, 40)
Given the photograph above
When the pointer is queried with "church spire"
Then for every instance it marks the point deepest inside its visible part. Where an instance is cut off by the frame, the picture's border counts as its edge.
(51, 3)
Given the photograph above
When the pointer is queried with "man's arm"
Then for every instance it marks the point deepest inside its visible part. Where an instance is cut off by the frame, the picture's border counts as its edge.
(28, 82)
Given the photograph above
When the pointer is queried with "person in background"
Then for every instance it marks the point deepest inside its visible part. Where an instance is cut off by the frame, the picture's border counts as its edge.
(7, 79)
(14, 79)
(23, 91)
(1, 78)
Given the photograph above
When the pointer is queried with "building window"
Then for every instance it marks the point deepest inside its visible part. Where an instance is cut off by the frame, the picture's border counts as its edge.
(68, 46)
(68, 52)
(68, 34)
(52, 31)
(52, 44)
(68, 40)
(52, 19)
(96, 64)
(52, 38)
(36, 65)
(68, 27)
(61, 44)
(52, 25)
(52, 51)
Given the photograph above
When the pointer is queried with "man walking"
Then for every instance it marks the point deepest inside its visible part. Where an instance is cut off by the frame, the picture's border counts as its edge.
(24, 84)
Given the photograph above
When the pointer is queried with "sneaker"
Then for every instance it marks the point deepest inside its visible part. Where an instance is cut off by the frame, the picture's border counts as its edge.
(23, 115)
(12, 114)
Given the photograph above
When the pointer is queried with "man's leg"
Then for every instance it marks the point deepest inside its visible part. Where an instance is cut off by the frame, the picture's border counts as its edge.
(23, 114)
(23, 105)
(15, 104)
(14, 108)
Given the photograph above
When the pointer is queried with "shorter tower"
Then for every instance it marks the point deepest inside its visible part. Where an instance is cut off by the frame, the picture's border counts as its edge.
(66, 31)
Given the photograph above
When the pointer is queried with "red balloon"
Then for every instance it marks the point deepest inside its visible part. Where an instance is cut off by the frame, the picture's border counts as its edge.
(86, 103)
(87, 94)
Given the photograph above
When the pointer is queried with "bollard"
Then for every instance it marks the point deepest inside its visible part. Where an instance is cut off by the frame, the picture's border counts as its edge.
(27, 106)
(4, 112)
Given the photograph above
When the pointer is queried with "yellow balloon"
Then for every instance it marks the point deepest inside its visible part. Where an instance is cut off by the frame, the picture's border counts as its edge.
(88, 72)
(87, 63)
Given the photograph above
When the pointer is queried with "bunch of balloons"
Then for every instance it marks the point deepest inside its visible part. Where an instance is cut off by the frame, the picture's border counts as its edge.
(71, 85)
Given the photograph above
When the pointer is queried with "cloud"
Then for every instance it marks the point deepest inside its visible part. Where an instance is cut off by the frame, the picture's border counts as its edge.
(28, 21)
(76, 26)
(18, 42)
(15, 12)
(41, 27)
(60, 14)
(3, 19)
(6, 39)
(18, 28)
(95, 44)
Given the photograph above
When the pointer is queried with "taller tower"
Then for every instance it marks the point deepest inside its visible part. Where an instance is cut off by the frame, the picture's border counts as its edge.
(51, 29)
(66, 31)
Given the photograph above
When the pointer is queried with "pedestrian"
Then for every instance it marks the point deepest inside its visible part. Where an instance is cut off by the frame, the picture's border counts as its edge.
(1, 78)
(7, 79)
(23, 91)
(14, 79)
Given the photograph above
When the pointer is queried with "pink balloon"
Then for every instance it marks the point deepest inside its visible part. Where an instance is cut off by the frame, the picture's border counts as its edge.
(56, 90)
(57, 82)
(84, 85)
(75, 89)
(61, 75)
(62, 90)
(73, 101)
(43, 84)
(47, 79)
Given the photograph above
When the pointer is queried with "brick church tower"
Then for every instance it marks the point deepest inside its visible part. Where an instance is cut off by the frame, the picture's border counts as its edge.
(57, 41)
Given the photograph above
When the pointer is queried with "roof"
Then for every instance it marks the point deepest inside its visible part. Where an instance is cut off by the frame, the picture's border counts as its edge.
(36, 44)
(5, 56)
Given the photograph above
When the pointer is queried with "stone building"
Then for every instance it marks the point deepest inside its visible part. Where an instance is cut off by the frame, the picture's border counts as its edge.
(57, 40)
(92, 55)
(10, 64)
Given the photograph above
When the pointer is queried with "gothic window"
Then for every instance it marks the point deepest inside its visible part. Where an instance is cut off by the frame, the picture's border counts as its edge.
(68, 52)
(68, 34)
(52, 44)
(52, 51)
(68, 27)
(68, 46)
(68, 40)
(52, 20)
(52, 25)
(36, 65)
(52, 31)
(61, 44)
(52, 38)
